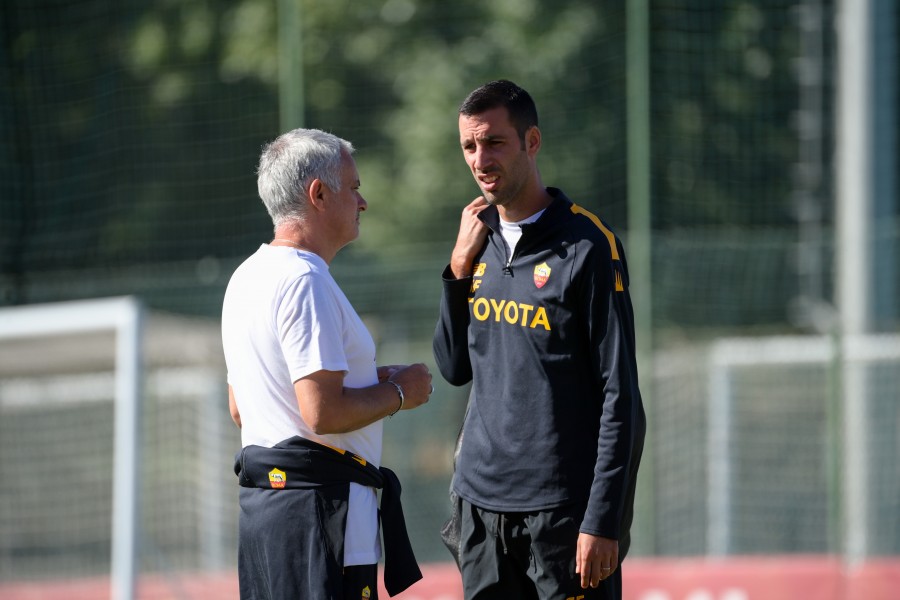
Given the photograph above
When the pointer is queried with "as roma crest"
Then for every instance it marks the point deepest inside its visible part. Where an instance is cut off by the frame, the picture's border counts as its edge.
(277, 479)
(541, 274)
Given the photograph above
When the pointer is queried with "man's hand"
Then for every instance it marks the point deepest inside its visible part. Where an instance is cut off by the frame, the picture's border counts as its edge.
(415, 380)
(327, 407)
(385, 371)
(595, 559)
(472, 233)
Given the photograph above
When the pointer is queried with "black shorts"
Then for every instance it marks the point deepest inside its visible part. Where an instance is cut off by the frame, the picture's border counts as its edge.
(284, 551)
(527, 556)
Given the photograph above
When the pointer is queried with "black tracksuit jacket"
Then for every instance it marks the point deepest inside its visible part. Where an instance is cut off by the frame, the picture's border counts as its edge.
(547, 338)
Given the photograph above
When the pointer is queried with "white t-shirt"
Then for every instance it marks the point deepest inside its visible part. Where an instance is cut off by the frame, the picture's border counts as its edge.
(512, 230)
(283, 318)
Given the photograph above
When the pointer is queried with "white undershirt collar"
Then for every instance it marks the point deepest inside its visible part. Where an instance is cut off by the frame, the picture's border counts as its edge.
(512, 231)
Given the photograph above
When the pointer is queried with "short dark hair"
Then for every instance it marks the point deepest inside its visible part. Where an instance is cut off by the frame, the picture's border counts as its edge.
(521, 108)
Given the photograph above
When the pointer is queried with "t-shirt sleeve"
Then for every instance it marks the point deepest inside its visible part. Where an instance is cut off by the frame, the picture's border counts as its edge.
(310, 328)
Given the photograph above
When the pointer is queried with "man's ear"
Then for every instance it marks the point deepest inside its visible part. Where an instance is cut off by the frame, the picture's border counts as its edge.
(316, 193)
(533, 140)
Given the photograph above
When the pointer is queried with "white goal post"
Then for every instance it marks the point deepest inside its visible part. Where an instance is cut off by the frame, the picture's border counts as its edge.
(851, 355)
(123, 316)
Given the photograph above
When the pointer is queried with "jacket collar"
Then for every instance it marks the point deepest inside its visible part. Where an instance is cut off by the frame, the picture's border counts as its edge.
(553, 214)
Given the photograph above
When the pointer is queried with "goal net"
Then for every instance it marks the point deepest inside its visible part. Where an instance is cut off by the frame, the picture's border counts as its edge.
(779, 445)
(102, 459)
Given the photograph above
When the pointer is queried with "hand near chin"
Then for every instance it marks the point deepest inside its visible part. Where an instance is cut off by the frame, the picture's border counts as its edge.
(470, 240)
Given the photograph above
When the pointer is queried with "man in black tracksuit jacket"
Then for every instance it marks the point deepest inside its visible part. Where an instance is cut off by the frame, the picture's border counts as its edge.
(546, 471)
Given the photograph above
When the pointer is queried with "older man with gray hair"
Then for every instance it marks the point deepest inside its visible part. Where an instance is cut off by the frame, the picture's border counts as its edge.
(305, 391)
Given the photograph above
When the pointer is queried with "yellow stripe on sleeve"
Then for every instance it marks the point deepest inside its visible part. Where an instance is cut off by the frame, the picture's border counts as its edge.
(611, 238)
(620, 287)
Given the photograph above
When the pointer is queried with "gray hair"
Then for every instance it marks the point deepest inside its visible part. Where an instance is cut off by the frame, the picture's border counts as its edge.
(290, 163)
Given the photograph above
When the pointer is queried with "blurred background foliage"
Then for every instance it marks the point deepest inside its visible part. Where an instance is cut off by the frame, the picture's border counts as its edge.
(131, 132)
(129, 137)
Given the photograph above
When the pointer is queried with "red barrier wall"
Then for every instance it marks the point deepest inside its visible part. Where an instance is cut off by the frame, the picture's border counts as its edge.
(742, 578)
(734, 578)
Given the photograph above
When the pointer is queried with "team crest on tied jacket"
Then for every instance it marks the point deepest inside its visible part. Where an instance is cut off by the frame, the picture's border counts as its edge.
(541, 274)
(277, 479)
(366, 593)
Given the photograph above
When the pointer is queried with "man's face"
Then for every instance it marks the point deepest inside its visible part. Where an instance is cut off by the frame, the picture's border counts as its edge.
(347, 203)
(497, 157)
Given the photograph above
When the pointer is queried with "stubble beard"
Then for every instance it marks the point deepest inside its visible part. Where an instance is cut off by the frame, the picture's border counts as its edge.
(514, 180)
(506, 197)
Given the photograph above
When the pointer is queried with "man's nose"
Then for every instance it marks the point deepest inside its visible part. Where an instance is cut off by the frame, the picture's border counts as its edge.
(480, 159)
